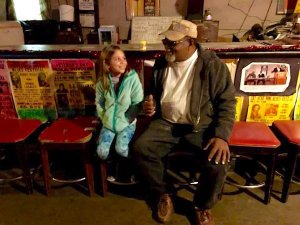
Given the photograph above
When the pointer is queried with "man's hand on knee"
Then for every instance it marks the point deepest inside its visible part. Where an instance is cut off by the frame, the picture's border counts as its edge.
(219, 150)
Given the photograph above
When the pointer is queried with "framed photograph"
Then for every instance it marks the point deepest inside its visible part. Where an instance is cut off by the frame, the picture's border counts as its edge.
(287, 6)
(281, 7)
(142, 8)
(107, 34)
(86, 4)
(87, 19)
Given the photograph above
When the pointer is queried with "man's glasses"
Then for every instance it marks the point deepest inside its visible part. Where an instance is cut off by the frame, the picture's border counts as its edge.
(170, 43)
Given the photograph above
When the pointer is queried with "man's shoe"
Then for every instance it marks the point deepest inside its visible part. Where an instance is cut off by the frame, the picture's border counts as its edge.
(204, 217)
(164, 208)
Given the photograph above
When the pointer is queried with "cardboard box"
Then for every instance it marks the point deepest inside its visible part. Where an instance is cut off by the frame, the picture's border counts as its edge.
(11, 33)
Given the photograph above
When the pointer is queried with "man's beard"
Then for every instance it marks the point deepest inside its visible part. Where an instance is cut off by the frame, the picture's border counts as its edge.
(170, 57)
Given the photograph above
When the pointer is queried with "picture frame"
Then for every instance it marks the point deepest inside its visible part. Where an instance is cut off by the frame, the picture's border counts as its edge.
(107, 34)
(87, 19)
(281, 7)
(86, 4)
(142, 8)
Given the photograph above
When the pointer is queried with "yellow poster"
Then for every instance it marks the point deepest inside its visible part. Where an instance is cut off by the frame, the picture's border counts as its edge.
(32, 85)
(297, 7)
(238, 107)
(74, 85)
(267, 109)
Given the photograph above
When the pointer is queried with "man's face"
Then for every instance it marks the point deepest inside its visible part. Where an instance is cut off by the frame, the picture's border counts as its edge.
(176, 50)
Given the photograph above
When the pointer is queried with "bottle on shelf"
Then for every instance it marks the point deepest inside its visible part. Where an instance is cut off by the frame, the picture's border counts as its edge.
(207, 15)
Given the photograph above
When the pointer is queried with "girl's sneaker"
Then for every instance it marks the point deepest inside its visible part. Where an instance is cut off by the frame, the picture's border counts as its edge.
(111, 179)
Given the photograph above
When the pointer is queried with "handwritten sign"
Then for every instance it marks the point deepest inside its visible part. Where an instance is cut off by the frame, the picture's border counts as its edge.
(148, 28)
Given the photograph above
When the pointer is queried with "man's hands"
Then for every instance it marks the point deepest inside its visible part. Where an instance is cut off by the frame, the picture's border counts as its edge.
(149, 106)
(219, 150)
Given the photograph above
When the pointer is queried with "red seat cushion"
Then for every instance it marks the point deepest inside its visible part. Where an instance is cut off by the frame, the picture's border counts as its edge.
(65, 131)
(290, 129)
(253, 134)
(16, 130)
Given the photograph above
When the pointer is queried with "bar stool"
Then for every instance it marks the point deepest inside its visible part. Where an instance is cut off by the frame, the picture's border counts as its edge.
(68, 135)
(15, 133)
(250, 139)
(289, 131)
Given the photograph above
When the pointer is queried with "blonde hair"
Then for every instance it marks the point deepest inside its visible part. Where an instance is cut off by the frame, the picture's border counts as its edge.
(105, 58)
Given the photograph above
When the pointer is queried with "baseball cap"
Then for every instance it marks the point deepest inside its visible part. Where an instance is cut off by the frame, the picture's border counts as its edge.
(180, 29)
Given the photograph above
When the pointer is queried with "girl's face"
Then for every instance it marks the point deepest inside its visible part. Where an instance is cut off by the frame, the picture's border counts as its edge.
(118, 63)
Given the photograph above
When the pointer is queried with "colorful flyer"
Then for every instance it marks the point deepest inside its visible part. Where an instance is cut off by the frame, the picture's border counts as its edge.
(74, 85)
(32, 86)
(267, 109)
(7, 108)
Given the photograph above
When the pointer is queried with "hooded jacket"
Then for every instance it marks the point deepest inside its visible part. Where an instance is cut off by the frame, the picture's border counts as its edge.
(118, 110)
(212, 96)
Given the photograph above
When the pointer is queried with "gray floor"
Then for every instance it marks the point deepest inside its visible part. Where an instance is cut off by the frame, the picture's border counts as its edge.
(125, 206)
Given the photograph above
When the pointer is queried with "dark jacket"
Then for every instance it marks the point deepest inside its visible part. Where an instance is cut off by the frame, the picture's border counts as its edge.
(213, 95)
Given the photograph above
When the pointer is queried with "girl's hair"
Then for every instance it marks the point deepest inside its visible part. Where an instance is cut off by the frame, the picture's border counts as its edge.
(105, 58)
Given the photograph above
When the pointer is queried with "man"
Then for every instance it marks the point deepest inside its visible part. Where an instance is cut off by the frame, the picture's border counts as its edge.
(193, 102)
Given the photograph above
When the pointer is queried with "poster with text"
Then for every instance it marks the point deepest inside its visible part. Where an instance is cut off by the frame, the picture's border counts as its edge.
(238, 107)
(297, 105)
(267, 109)
(7, 108)
(32, 86)
(74, 86)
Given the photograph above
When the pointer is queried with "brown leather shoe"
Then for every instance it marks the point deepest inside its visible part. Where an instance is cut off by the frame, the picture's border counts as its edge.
(164, 208)
(204, 217)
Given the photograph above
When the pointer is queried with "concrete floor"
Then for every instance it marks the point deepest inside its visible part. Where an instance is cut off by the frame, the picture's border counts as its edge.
(125, 206)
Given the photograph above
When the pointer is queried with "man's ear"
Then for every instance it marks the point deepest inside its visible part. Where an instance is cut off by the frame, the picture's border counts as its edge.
(192, 41)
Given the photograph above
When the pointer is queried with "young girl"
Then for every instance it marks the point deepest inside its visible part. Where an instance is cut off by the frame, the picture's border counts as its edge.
(118, 96)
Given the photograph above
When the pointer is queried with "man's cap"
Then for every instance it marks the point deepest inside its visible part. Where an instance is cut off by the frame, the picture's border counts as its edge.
(180, 29)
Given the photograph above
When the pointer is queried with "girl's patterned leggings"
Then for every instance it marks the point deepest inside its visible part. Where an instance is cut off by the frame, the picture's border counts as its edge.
(123, 138)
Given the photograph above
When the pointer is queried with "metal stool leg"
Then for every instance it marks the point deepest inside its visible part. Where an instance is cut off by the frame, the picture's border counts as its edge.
(103, 175)
(291, 165)
(46, 169)
(269, 179)
(88, 172)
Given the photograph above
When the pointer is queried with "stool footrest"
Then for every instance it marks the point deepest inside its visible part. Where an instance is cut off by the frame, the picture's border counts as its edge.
(68, 181)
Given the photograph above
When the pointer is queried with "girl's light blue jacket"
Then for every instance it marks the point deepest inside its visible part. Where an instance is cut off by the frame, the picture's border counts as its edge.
(117, 111)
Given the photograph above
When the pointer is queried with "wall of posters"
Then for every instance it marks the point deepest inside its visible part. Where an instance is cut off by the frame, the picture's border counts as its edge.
(74, 81)
(7, 108)
(32, 87)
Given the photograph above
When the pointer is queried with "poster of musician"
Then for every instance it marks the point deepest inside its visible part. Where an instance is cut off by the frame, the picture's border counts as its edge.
(267, 109)
(32, 84)
(7, 108)
(74, 85)
(265, 77)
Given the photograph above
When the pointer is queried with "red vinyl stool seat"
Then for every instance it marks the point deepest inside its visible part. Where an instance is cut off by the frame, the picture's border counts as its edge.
(256, 139)
(15, 132)
(68, 135)
(289, 131)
